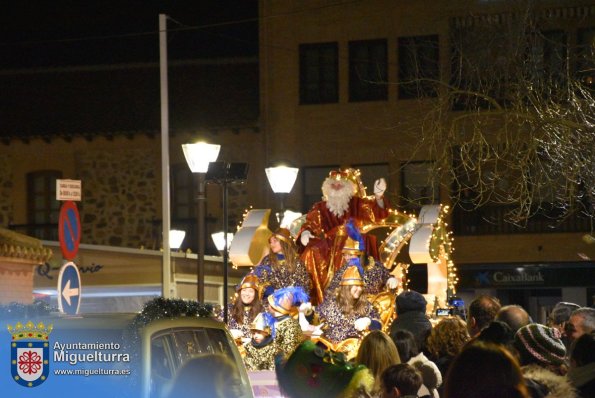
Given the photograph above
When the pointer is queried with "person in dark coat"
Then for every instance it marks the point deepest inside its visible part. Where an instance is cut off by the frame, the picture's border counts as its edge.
(542, 356)
(582, 365)
(411, 316)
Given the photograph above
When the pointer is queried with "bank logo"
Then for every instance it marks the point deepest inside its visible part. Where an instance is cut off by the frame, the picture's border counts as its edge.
(30, 353)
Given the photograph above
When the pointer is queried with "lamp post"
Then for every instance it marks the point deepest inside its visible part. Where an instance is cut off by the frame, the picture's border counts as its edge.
(281, 179)
(176, 237)
(198, 156)
(224, 173)
(222, 241)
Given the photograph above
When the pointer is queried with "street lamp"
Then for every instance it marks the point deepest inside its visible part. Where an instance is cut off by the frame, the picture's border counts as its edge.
(176, 237)
(224, 173)
(281, 179)
(221, 243)
(198, 156)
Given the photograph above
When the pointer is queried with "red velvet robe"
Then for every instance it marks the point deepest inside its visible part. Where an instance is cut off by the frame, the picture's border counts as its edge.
(322, 255)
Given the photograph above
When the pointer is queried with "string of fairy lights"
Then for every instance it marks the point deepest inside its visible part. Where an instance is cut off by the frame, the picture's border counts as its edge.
(440, 244)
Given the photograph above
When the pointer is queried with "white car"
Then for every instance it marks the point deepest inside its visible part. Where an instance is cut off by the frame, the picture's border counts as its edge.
(109, 355)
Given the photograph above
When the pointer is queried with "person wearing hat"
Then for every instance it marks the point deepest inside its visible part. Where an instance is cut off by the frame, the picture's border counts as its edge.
(282, 266)
(410, 307)
(261, 350)
(322, 235)
(376, 276)
(542, 356)
(283, 305)
(347, 313)
(245, 307)
(315, 372)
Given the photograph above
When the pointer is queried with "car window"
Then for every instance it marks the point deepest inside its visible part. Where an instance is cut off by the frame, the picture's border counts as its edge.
(170, 349)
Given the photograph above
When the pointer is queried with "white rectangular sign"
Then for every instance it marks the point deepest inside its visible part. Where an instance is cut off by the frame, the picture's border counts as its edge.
(68, 190)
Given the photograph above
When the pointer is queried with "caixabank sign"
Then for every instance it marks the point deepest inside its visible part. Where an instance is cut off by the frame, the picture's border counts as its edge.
(526, 275)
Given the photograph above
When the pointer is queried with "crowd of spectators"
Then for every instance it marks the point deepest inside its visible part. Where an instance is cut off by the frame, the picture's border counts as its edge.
(498, 351)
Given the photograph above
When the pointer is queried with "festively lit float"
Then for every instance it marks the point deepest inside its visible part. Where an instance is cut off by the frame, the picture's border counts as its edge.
(404, 240)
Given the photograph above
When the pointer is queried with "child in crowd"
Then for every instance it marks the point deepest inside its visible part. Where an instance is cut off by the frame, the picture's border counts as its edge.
(400, 381)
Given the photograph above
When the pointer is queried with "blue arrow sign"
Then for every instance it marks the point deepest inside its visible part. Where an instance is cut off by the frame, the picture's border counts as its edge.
(69, 289)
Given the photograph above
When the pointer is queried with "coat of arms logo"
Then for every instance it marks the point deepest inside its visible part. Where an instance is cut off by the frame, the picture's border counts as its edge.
(29, 353)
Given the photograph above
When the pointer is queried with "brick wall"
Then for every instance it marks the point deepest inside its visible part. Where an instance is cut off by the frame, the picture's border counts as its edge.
(119, 191)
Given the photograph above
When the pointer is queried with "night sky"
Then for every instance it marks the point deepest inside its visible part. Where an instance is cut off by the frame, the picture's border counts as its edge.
(46, 33)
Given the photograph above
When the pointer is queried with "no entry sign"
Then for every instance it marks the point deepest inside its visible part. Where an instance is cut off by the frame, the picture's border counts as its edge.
(69, 230)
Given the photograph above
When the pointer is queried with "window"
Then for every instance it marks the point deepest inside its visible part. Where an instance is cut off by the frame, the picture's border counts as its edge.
(367, 70)
(183, 194)
(547, 61)
(313, 179)
(43, 208)
(319, 69)
(418, 66)
(555, 54)
(417, 187)
(482, 68)
(586, 56)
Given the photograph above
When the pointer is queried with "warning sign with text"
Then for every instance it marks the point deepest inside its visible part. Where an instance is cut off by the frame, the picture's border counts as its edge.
(68, 190)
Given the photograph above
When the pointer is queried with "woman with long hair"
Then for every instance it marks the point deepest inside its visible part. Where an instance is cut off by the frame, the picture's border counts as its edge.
(244, 308)
(282, 266)
(377, 352)
(350, 313)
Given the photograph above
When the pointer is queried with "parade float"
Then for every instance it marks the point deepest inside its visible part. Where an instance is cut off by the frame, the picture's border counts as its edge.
(397, 240)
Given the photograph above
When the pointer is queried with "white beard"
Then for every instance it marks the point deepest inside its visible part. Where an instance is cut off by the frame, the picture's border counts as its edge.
(337, 201)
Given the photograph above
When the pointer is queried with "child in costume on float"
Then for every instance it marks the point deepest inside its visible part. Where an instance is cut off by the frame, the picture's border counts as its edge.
(284, 306)
(376, 276)
(347, 313)
(282, 266)
(261, 350)
(245, 307)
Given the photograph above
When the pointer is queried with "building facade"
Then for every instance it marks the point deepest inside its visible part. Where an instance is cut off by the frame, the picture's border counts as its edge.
(352, 83)
(335, 84)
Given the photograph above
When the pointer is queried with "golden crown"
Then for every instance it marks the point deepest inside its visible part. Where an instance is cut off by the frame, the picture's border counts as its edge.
(30, 331)
(352, 246)
(352, 277)
(353, 175)
(249, 280)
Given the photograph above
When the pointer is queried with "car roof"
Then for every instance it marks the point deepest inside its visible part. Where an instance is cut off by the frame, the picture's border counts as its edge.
(117, 321)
